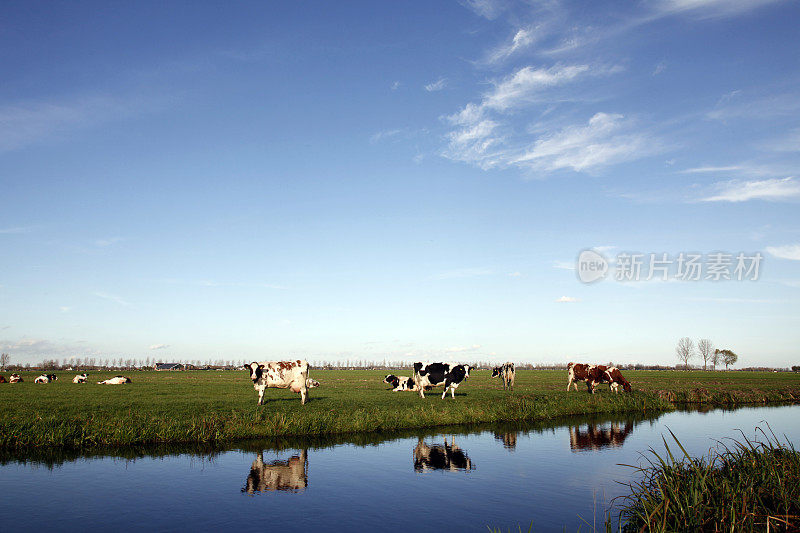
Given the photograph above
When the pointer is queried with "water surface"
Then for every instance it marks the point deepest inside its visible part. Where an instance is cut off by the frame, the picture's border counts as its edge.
(558, 476)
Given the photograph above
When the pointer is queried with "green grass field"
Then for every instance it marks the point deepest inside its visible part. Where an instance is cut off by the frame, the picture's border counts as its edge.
(218, 407)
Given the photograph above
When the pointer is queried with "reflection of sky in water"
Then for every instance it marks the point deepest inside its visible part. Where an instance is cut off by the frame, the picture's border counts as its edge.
(363, 487)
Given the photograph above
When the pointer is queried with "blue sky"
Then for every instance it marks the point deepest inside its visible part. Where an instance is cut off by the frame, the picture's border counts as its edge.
(401, 181)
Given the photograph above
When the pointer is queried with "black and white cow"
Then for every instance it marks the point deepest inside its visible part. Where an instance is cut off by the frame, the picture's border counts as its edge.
(46, 378)
(506, 373)
(434, 374)
(80, 378)
(15, 378)
(280, 374)
(400, 383)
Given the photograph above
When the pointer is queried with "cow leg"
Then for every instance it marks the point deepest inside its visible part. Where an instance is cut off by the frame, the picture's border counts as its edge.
(419, 387)
(569, 382)
(261, 396)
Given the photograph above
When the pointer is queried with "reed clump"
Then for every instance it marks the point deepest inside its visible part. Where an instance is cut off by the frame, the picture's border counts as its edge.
(740, 485)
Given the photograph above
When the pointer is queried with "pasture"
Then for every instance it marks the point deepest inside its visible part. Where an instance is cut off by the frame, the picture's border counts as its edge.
(220, 406)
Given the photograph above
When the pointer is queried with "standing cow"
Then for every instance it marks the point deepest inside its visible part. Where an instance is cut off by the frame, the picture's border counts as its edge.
(506, 373)
(591, 374)
(287, 475)
(614, 377)
(437, 457)
(280, 374)
(433, 374)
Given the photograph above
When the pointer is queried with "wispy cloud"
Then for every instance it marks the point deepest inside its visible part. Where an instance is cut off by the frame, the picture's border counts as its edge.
(383, 135)
(112, 298)
(736, 105)
(158, 346)
(522, 39)
(788, 251)
(606, 139)
(768, 189)
(107, 242)
(461, 349)
(27, 123)
(567, 300)
(17, 230)
(395, 85)
(438, 85)
(710, 169)
(488, 9)
(701, 9)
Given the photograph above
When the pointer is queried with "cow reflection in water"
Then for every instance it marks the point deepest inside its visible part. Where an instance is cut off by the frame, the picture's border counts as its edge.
(509, 440)
(594, 437)
(440, 457)
(278, 475)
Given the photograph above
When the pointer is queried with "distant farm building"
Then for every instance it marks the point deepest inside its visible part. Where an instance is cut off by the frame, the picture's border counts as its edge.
(168, 366)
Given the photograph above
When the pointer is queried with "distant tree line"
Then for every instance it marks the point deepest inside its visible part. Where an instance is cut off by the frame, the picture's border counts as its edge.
(686, 351)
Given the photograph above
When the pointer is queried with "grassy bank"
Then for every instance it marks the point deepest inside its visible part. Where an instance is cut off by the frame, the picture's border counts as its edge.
(219, 407)
(741, 486)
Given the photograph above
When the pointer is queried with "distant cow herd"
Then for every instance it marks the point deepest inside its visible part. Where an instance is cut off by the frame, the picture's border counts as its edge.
(293, 375)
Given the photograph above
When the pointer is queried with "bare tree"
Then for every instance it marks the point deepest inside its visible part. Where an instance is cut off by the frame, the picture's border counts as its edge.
(706, 350)
(4, 359)
(685, 350)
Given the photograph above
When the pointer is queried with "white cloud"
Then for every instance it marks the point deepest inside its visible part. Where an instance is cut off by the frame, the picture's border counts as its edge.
(661, 67)
(514, 274)
(395, 85)
(701, 170)
(488, 9)
(522, 39)
(158, 346)
(567, 299)
(17, 230)
(599, 143)
(112, 298)
(768, 189)
(438, 85)
(386, 134)
(459, 349)
(788, 251)
(710, 8)
(522, 86)
(732, 106)
(65, 309)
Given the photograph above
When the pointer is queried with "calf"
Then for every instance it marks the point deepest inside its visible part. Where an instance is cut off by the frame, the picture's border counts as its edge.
(437, 457)
(280, 374)
(277, 475)
(80, 378)
(116, 380)
(400, 383)
(3, 379)
(46, 378)
(433, 374)
(506, 373)
(615, 379)
(15, 378)
(591, 374)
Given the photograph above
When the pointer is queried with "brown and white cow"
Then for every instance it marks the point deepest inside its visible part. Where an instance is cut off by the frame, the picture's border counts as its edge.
(280, 374)
(437, 457)
(591, 374)
(46, 378)
(80, 378)
(277, 475)
(614, 377)
(15, 378)
(116, 380)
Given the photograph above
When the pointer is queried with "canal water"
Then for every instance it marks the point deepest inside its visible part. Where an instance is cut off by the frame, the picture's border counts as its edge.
(560, 476)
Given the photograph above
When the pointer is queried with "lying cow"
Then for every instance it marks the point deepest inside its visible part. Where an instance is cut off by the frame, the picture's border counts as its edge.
(400, 383)
(80, 378)
(280, 374)
(15, 378)
(3, 379)
(277, 475)
(46, 378)
(591, 374)
(434, 374)
(437, 457)
(506, 373)
(116, 380)
(614, 377)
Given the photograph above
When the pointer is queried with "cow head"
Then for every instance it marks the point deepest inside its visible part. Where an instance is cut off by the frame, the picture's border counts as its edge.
(392, 380)
(466, 371)
(495, 371)
(626, 386)
(255, 371)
